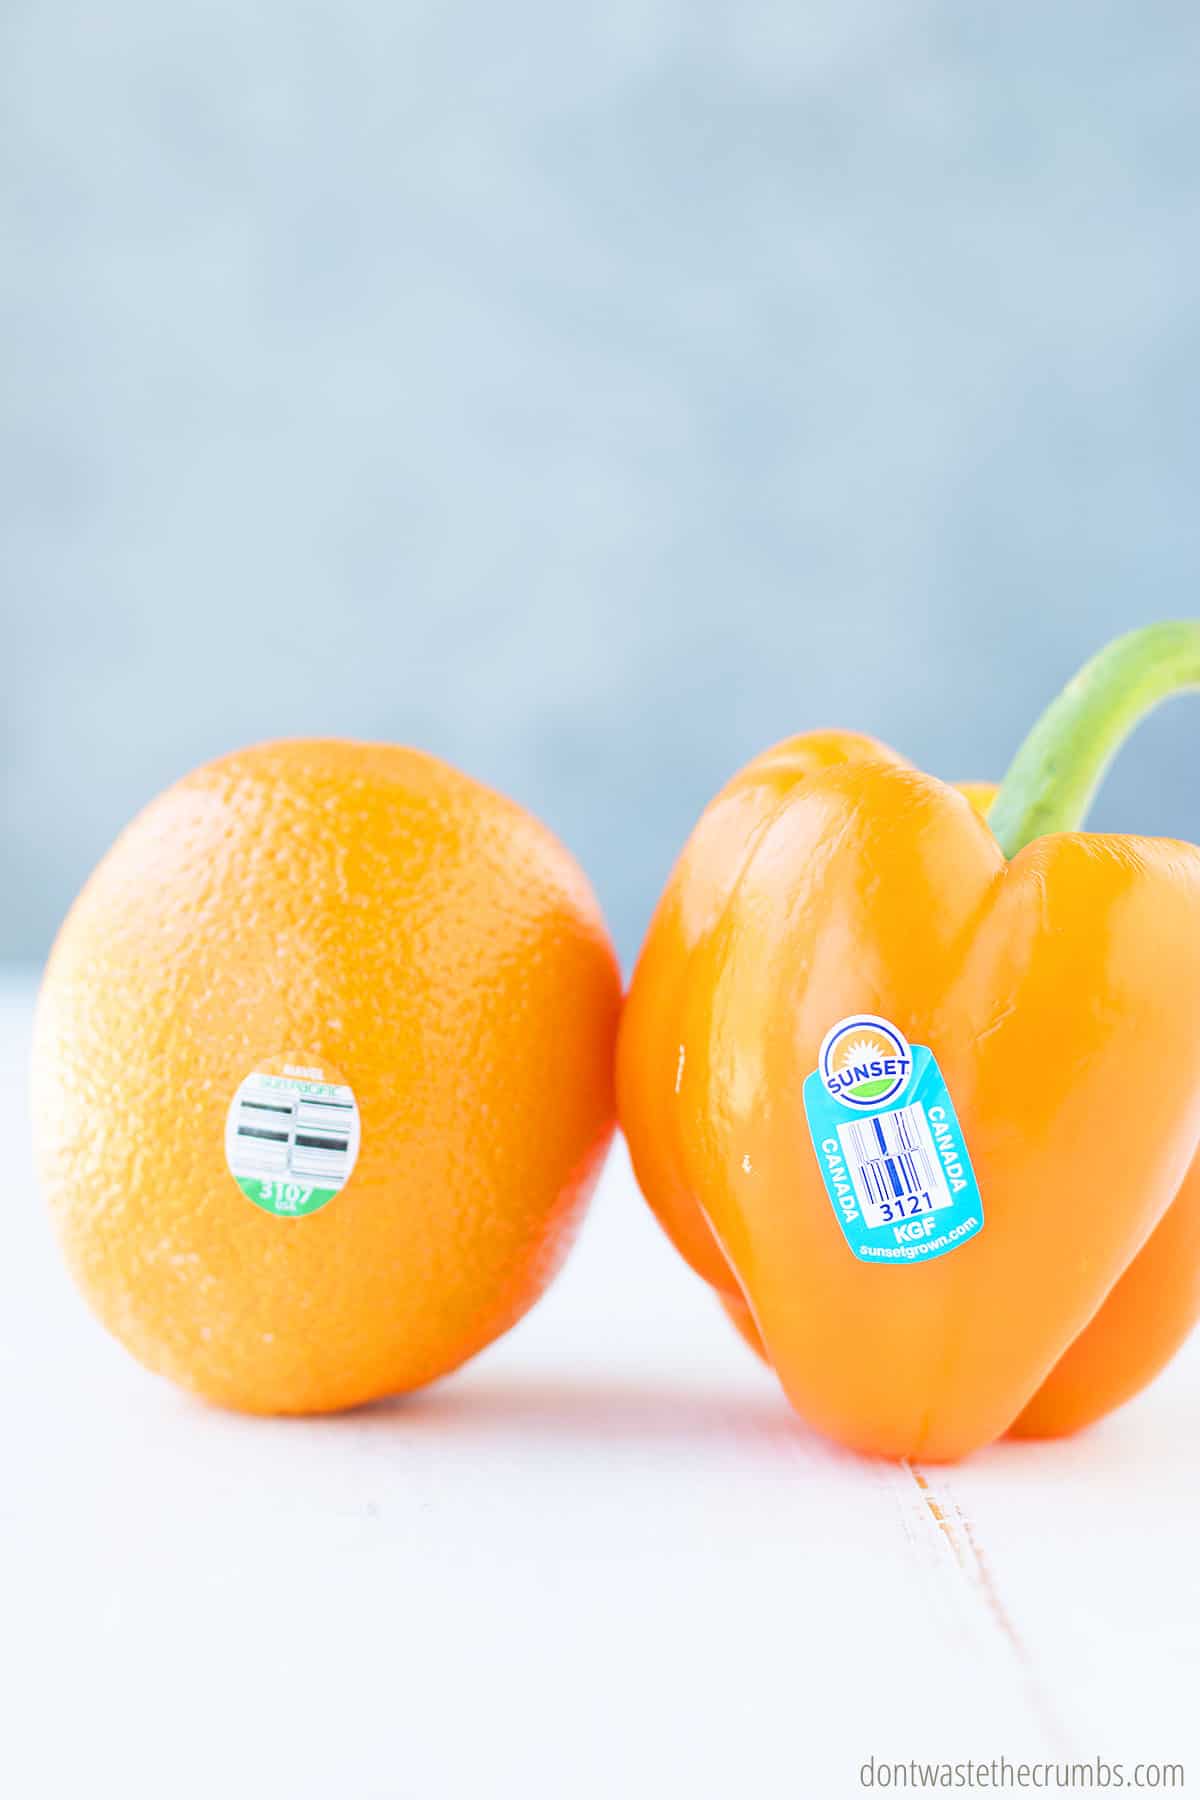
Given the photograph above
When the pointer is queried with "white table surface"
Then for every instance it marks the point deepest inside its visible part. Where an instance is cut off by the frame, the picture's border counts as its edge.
(604, 1560)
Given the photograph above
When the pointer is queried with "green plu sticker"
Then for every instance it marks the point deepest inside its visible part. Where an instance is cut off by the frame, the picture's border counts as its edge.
(291, 1136)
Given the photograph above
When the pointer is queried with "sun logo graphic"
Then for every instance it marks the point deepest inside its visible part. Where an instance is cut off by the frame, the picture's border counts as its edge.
(865, 1061)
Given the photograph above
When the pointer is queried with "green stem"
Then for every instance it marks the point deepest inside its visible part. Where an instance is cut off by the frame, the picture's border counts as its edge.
(1053, 778)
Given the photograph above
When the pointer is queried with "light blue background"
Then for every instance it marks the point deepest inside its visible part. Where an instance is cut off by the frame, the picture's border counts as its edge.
(591, 395)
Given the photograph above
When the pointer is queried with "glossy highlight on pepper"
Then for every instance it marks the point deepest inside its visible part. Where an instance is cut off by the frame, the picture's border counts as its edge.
(1054, 974)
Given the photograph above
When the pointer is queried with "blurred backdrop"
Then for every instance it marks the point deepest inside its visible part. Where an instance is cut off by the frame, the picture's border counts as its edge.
(590, 395)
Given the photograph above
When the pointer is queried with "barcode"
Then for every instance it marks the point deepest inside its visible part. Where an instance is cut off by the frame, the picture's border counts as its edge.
(893, 1165)
(275, 1133)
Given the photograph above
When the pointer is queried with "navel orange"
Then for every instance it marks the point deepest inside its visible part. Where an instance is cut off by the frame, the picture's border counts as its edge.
(323, 1074)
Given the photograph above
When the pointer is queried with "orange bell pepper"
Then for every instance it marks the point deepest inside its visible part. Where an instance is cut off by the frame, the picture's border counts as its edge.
(1023, 995)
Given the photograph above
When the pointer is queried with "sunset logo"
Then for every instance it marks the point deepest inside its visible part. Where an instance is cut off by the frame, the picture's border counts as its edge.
(865, 1061)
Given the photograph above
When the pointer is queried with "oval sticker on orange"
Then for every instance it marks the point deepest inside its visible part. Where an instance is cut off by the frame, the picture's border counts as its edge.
(291, 1135)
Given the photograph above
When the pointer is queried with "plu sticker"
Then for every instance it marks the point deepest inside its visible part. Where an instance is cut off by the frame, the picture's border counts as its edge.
(291, 1135)
(889, 1144)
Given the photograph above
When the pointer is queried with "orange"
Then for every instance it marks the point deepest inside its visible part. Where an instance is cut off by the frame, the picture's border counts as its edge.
(415, 977)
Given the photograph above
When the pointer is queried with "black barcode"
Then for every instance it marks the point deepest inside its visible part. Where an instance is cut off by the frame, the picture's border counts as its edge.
(290, 1135)
(890, 1162)
(321, 1141)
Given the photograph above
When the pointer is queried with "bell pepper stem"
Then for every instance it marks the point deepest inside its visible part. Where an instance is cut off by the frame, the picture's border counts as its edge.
(1054, 776)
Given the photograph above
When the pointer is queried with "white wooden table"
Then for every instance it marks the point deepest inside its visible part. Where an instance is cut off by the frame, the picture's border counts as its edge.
(604, 1560)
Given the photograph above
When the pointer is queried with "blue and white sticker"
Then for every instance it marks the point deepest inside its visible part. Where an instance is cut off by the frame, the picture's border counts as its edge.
(889, 1144)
